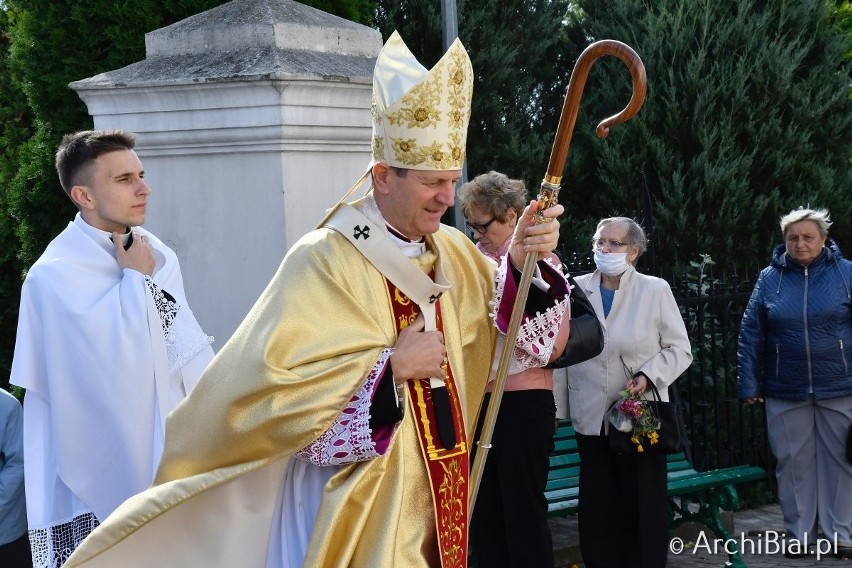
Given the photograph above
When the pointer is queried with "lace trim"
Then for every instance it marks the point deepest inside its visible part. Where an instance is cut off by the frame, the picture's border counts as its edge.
(184, 337)
(167, 306)
(52, 546)
(556, 267)
(499, 288)
(349, 439)
(537, 334)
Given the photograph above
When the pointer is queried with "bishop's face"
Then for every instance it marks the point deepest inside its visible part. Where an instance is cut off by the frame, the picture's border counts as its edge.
(413, 201)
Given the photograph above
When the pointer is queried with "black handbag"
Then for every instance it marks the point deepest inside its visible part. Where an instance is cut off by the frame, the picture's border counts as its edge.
(586, 336)
(670, 433)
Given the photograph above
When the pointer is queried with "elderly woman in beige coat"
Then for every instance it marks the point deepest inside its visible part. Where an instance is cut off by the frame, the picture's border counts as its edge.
(623, 507)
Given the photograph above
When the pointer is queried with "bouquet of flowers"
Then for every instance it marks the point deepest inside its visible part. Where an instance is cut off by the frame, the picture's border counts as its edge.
(636, 416)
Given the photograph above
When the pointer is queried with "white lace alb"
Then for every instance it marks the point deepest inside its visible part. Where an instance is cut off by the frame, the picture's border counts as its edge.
(349, 439)
(536, 334)
(52, 546)
(184, 337)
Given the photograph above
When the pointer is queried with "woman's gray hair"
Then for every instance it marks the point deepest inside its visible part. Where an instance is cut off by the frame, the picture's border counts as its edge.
(635, 233)
(495, 194)
(818, 216)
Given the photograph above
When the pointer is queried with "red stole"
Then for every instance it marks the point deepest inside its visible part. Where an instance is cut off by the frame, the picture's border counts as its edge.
(448, 469)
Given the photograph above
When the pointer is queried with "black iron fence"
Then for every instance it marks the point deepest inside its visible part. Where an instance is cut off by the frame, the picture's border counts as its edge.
(721, 430)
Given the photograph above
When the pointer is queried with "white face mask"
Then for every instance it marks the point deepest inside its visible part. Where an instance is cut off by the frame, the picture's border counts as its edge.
(611, 263)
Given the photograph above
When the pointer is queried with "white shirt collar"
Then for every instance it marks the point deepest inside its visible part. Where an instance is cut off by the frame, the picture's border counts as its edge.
(103, 238)
(408, 248)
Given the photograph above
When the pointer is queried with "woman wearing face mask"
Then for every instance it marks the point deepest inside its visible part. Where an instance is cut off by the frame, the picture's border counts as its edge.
(623, 508)
(509, 526)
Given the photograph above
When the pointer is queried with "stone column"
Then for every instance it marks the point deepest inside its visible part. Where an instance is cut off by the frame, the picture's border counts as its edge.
(252, 119)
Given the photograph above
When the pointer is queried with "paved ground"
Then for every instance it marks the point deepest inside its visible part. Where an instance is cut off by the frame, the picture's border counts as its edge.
(754, 529)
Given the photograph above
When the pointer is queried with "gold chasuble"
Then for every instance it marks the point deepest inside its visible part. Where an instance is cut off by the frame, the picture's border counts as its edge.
(279, 383)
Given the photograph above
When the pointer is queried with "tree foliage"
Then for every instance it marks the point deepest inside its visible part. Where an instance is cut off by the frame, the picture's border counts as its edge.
(840, 15)
(747, 116)
(360, 11)
(521, 64)
(15, 129)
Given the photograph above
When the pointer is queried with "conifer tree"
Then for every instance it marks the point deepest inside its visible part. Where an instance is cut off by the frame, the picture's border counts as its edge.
(15, 129)
(748, 115)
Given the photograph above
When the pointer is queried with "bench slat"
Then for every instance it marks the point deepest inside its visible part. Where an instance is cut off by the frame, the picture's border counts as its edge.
(563, 477)
(715, 478)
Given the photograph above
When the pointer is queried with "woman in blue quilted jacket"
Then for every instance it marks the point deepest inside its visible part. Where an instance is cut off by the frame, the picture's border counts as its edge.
(795, 353)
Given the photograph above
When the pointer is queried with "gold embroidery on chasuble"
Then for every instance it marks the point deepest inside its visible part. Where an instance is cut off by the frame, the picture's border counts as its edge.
(448, 469)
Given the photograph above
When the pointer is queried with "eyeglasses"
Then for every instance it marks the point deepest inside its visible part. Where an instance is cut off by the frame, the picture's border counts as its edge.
(601, 243)
(478, 227)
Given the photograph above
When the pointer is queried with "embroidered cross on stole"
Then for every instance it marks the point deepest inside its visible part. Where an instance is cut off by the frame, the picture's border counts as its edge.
(448, 467)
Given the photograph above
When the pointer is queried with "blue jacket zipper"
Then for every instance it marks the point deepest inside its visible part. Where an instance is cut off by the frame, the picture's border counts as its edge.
(807, 337)
(777, 360)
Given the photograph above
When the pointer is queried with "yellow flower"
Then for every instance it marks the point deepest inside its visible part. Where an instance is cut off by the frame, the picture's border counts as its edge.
(640, 449)
(654, 437)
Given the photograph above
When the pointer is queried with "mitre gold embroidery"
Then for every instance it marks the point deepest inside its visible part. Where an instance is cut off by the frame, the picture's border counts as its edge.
(426, 126)
(419, 106)
(378, 148)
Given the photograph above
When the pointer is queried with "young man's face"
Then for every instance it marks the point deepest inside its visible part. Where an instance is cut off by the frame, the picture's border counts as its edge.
(414, 202)
(115, 196)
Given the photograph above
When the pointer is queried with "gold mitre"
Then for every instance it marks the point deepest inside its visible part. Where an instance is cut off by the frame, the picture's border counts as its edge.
(420, 117)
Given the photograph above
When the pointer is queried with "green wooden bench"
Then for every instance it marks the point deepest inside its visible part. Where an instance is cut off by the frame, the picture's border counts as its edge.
(693, 496)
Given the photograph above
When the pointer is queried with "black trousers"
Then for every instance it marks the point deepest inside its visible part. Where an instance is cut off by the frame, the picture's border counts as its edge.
(509, 526)
(17, 554)
(623, 512)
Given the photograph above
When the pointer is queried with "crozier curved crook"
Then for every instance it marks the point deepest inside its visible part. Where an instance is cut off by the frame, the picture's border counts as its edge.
(548, 197)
